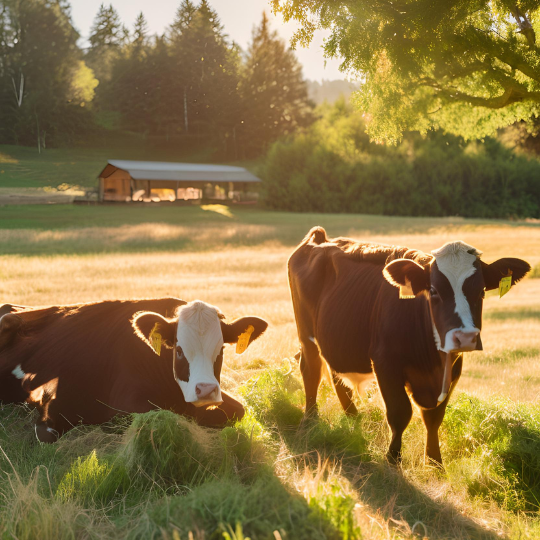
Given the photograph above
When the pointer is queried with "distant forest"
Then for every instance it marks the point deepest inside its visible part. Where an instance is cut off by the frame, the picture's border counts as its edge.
(190, 85)
(329, 91)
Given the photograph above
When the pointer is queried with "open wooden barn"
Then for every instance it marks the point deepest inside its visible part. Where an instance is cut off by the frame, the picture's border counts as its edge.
(154, 181)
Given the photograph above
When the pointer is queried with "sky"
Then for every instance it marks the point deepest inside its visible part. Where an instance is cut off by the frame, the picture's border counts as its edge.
(238, 17)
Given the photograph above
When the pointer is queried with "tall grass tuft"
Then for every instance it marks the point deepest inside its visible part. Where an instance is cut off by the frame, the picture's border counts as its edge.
(493, 447)
(164, 448)
(275, 399)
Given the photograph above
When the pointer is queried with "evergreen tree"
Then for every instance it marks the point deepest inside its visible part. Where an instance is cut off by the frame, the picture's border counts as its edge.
(140, 33)
(106, 40)
(273, 91)
(205, 71)
(182, 19)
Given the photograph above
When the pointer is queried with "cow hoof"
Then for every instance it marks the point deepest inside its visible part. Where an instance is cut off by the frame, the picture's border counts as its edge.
(46, 434)
(310, 418)
(434, 463)
(352, 412)
(394, 458)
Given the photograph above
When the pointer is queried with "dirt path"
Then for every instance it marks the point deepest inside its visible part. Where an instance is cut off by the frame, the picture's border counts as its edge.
(10, 196)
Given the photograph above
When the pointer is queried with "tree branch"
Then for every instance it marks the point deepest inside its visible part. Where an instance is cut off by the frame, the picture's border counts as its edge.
(508, 97)
(525, 26)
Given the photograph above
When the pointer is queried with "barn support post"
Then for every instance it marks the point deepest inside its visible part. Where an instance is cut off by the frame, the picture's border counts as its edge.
(101, 189)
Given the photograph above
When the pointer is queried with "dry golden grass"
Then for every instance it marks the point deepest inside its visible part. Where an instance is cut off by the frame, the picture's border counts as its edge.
(243, 280)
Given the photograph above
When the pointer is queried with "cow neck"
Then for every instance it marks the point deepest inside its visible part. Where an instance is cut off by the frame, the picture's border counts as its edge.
(431, 355)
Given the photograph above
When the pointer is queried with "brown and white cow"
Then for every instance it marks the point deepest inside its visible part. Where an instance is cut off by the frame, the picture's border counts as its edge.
(351, 316)
(87, 363)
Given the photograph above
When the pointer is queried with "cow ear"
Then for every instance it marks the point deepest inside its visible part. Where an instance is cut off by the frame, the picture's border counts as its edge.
(231, 332)
(494, 272)
(409, 276)
(9, 326)
(155, 330)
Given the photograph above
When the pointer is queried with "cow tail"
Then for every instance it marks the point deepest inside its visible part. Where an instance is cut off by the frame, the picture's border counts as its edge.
(317, 235)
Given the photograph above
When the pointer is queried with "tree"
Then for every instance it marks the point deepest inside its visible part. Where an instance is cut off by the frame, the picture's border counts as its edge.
(106, 40)
(182, 19)
(467, 66)
(140, 34)
(43, 82)
(205, 71)
(275, 99)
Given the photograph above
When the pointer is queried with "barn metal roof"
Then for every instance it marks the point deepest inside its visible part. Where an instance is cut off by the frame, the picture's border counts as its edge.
(159, 170)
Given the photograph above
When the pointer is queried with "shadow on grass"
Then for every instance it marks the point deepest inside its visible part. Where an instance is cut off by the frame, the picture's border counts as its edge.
(72, 229)
(275, 399)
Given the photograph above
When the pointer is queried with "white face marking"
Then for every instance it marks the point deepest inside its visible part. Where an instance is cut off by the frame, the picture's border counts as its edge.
(18, 372)
(436, 336)
(200, 338)
(456, 261)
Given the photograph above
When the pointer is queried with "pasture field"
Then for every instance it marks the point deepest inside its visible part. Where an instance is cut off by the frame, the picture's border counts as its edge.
(158, 476)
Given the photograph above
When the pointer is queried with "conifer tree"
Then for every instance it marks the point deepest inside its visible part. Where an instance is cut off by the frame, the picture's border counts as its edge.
(106, 40)
(140, 33)
(205, 70)
(273, 91)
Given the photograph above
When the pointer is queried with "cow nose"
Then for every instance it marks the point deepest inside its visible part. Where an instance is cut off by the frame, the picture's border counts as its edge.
(465, 341)
(205, 389)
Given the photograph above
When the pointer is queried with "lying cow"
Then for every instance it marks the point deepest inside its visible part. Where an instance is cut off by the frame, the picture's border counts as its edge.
(87, 363)
(349, 313)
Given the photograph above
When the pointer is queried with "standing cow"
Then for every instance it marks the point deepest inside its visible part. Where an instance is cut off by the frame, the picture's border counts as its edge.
(350, 314)
(87, 363)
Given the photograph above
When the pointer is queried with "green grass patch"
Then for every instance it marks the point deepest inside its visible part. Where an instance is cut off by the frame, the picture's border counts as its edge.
(275, 398)
(512, 314)
(154, 473)
(493, 447)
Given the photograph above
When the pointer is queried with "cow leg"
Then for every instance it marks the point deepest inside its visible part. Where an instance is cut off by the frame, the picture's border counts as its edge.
(345, 395)
(433, 418)
(398, 413)
(311, 366)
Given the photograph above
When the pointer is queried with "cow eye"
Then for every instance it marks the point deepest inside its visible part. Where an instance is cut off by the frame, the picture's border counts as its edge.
(433, 291)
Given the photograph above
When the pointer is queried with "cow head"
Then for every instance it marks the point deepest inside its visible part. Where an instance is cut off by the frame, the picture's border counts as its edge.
(197, 335)
(454, 281)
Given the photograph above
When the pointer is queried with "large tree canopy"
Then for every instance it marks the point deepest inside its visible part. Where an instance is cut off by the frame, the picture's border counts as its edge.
(468, 66)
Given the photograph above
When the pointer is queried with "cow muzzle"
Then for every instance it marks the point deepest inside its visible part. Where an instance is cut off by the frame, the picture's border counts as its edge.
(207, 394)
(465, 341)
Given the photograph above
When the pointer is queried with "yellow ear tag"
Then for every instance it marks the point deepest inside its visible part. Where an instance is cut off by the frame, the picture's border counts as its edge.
(504, 285)
(243, 340)
(405, 291)
(155, 339)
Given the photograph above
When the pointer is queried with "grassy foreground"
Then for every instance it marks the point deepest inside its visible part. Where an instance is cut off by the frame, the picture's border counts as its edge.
(158, 476)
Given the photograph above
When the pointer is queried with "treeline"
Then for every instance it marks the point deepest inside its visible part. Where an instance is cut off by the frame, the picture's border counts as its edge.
(333, 167)
(190, 84)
